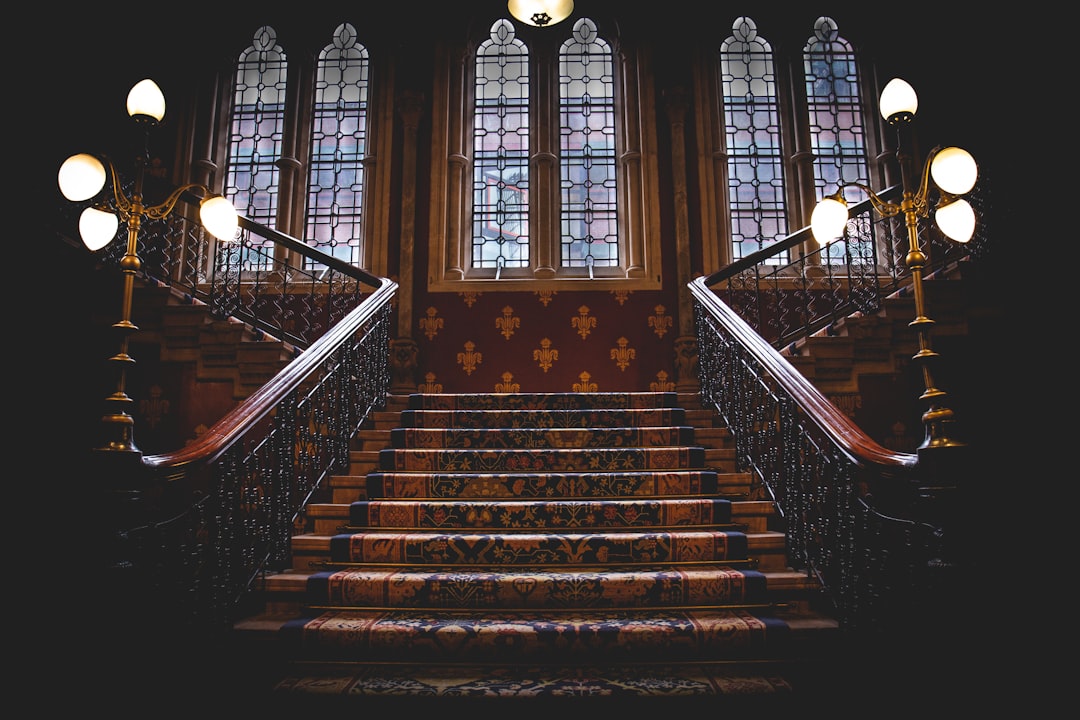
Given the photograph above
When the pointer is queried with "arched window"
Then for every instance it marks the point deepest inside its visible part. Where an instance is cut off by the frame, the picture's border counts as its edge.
(338, 142)
(779, 133)
(755, 159)
(501, 152)
(256, 132)
(835, 113)
(300, 142)
(589, 210)
(561, 190)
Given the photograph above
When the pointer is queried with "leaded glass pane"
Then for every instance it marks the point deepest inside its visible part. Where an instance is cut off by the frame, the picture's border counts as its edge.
(754, 149)
(837, 134)
(255, 136)
(588, 170)
(501, 152)
(338, 139)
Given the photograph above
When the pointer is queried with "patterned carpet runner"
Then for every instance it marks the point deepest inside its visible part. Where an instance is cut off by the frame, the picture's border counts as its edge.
(568, 530)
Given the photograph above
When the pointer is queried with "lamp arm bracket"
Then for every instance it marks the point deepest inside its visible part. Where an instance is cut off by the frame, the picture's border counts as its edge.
(887, 209)
(123, 202)
(157, 212)
(921, 196)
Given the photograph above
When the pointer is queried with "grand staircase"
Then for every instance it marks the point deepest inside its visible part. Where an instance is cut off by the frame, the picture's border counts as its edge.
(542, 546)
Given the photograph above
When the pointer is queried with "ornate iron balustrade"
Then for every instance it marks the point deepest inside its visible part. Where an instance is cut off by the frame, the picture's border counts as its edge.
(784, 302)
(871, 524)
(188, 532)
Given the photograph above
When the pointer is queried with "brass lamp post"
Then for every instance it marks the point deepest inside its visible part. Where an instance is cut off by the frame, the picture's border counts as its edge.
(82, 177)
(952, 171)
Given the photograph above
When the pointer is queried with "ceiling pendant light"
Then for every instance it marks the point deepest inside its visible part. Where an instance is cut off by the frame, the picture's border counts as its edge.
(540, 13)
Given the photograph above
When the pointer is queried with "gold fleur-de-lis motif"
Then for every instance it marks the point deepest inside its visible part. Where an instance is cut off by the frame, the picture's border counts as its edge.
(155, 407)
(621, 296)
(662, 383)
(469, 297)
(545, 355)
(622, 355)
(507, 323)
(429, 385)
(507, 385)
(469, 359)
(848, 403)
(545, 296)
(661, 322)
(431, 325)
(585, 386)
(583, 322)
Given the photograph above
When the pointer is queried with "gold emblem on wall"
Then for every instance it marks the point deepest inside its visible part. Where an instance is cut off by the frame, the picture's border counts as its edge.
(469, 297)
(507, 384)
(507, 323)
(585, 385)
(545, 356)
(469, 359)
(154, 408)
(848, 403)
(622, 355)
(621, 296)
(662, 383)
(661, 322)
(545, 296)
(429, 385)
(431, 325)
(583, 322)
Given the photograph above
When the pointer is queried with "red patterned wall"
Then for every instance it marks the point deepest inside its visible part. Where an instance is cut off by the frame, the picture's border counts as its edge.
(559, 341)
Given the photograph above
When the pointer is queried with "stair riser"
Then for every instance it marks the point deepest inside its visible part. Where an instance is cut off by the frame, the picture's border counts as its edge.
(479, 419)
(534, 548)
(542, 460)
(547, 486)
(561, 515)
(540, 438)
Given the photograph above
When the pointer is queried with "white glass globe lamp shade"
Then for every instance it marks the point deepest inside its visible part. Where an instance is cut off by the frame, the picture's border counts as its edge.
(97, 228)
(954, 170)
(956, 220)
(146, 101)
(81, 177)
(898, 101)
(828, 220)
(219, 218)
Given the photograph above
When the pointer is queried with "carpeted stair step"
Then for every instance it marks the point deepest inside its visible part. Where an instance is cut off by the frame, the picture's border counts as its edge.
(543, 459)
(717, 684)
(557, 515)
(525, 589)
(567, 636)
(580, 418)
(527, 438)
(547, 485)
(746, 515)
(538, 548)
(532, 545)
(765, 551)
(541, 401)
